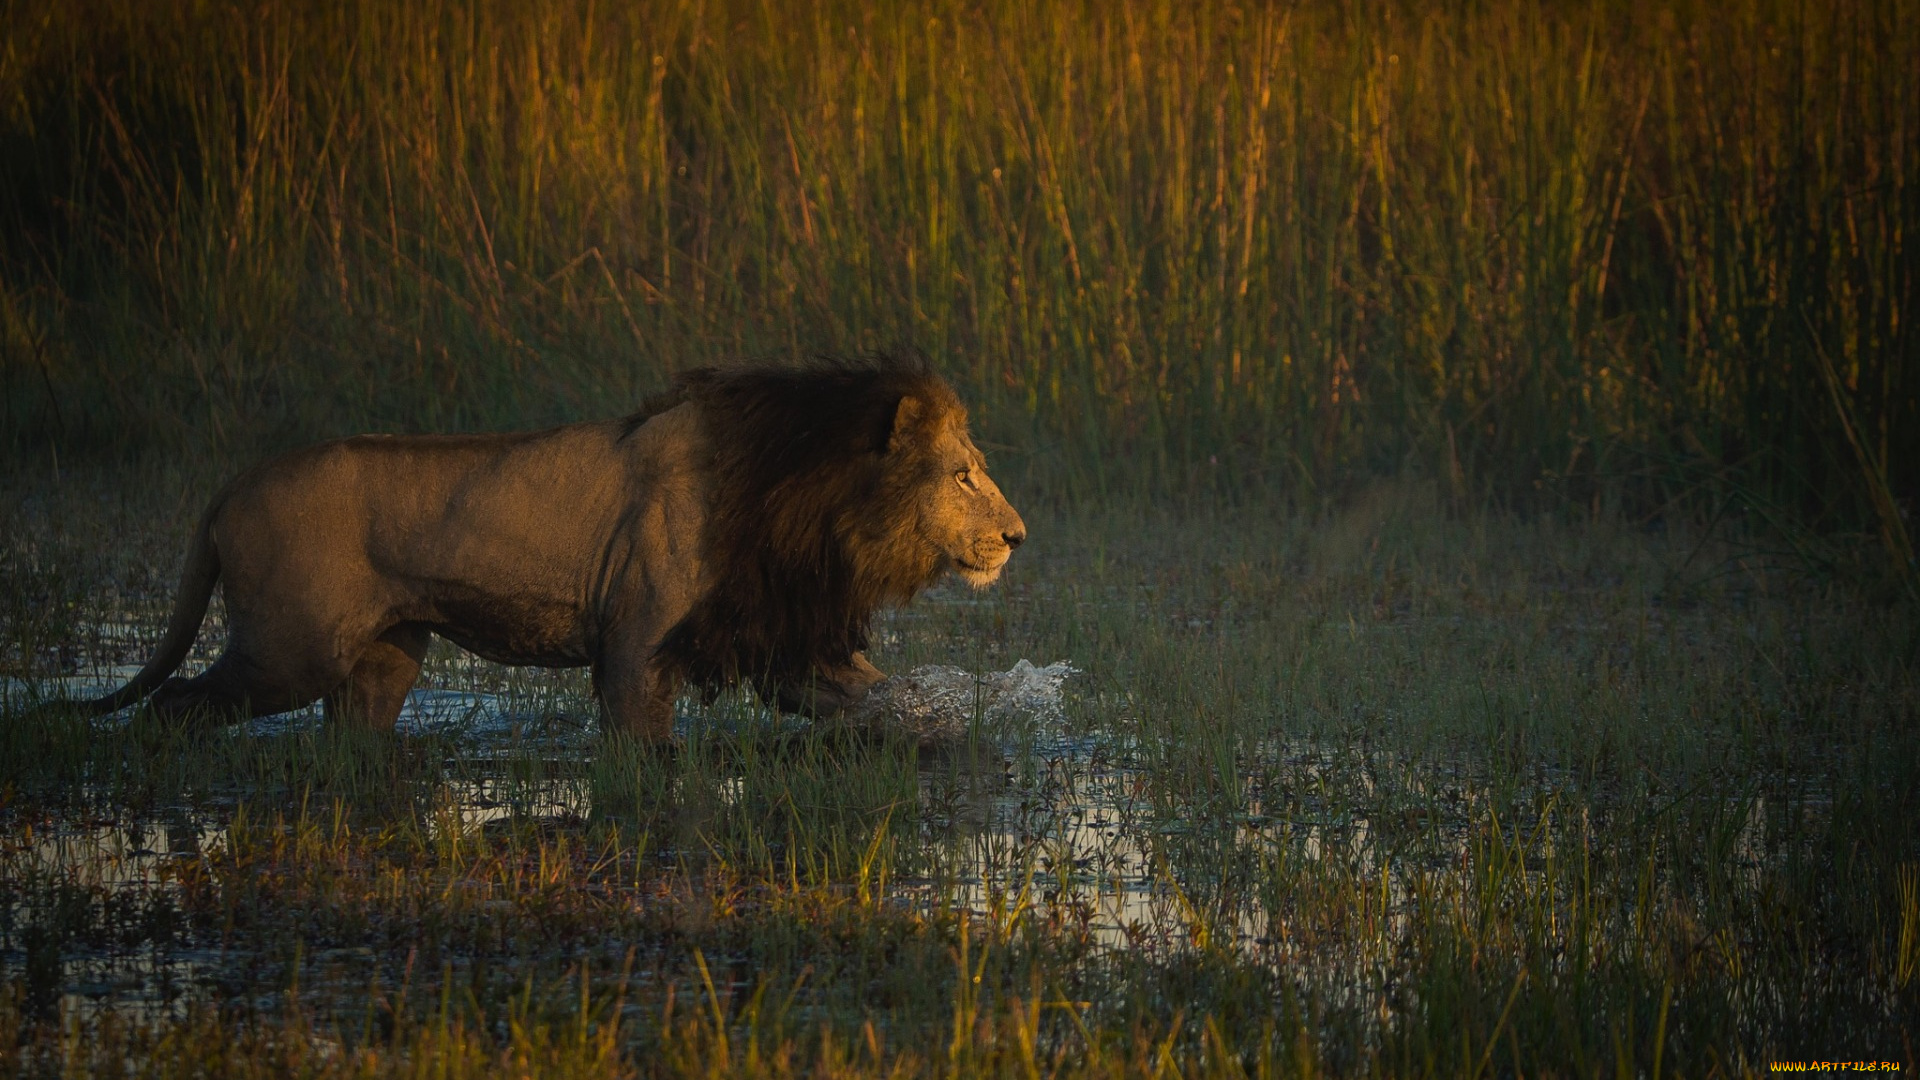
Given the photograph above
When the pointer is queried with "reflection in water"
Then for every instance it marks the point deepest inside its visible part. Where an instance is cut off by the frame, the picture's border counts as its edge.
(108, 882)
(1092, 846)
(1089, 836)
(471, 716)
(1085, 839)
(481, 801)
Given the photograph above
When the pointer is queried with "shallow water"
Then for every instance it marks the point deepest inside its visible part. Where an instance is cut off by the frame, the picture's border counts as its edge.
(1038, 821)
(466, 715)
(933, 703)
(124, 867)
(116, 859)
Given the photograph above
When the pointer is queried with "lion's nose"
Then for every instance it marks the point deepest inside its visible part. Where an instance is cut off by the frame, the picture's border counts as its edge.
(1014, 539)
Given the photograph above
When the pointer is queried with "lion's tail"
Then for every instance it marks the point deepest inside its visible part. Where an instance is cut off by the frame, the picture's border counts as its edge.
(189, 610)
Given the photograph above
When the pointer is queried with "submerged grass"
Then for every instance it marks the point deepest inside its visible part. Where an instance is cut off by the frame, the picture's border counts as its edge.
(1381, 790)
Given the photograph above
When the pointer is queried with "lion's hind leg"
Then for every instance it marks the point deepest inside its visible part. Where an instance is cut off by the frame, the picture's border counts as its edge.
(233, 688)
(373, 693)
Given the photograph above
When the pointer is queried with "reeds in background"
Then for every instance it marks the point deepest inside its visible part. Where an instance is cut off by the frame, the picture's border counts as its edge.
(1610, 253)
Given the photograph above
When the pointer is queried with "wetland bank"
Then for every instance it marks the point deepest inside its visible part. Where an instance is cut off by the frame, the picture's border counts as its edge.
(1470, 456)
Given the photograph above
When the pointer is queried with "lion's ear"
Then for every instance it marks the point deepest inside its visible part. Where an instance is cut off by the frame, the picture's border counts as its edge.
(906, 417)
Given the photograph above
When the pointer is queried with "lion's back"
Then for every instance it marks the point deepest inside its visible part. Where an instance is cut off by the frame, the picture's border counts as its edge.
(443, 529)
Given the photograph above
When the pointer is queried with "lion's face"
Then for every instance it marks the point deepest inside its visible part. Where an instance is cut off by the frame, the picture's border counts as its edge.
(961, 512)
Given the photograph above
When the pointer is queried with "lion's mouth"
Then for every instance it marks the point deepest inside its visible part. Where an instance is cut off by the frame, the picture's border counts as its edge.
(980, 575)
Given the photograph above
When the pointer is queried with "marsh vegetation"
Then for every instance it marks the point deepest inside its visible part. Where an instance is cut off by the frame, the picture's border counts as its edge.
(1376, 790)
(1469, 457)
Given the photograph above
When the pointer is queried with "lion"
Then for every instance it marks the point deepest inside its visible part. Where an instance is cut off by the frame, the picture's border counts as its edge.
(744, 526)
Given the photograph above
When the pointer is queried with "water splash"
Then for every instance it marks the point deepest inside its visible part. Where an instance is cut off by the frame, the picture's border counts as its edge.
(937, 703)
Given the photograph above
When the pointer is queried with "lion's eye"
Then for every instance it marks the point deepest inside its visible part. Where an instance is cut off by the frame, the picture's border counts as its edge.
(965, 478)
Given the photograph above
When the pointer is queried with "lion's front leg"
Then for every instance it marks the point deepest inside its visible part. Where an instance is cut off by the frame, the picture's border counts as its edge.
(636, 697)
(832, 690)
(858, 677)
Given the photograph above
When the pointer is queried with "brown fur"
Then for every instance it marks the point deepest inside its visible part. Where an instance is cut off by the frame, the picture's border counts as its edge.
(744, 526)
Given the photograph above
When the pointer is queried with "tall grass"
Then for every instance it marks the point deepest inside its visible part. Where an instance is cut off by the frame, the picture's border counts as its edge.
(1603, 251)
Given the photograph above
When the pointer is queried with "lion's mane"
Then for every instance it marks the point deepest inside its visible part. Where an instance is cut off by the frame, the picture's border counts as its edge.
(810, 527)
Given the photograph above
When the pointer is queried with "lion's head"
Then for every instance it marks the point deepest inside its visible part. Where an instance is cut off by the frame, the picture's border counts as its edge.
(836, 488)
(958, 515)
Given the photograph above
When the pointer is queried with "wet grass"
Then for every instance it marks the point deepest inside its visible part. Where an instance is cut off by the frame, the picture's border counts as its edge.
(1379, 790)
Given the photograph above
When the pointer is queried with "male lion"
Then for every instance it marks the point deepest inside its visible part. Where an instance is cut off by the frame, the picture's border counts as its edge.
(744, 525)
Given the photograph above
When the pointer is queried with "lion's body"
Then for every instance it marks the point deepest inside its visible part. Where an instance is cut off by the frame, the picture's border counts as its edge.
(670, 545)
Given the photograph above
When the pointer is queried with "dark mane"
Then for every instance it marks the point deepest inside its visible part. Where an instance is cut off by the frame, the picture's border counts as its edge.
(810, 528)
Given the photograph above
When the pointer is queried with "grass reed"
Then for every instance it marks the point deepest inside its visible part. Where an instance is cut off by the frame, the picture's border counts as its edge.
(1602, 255)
